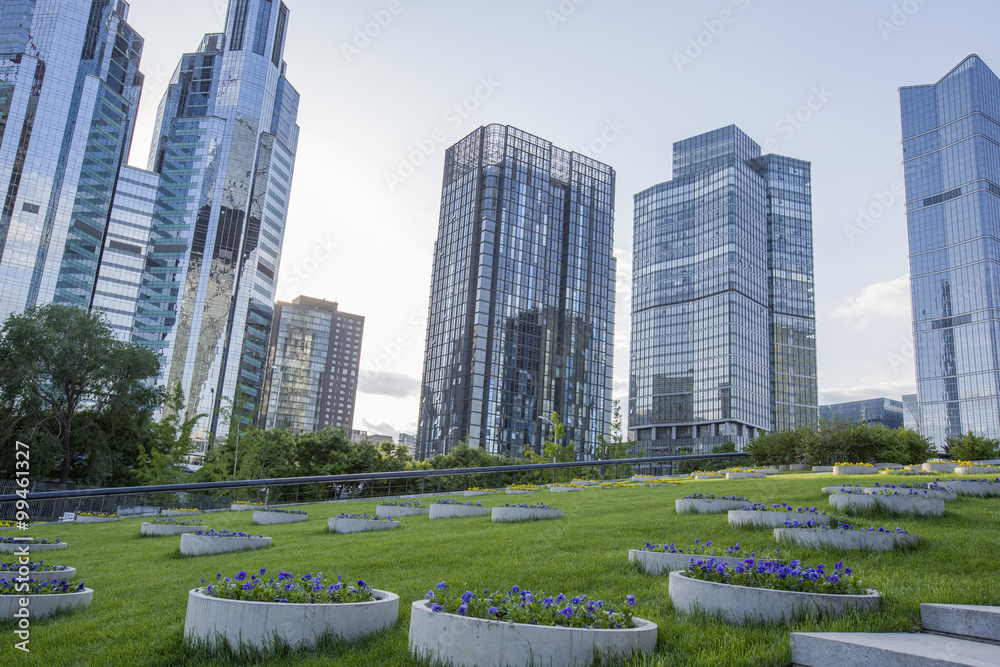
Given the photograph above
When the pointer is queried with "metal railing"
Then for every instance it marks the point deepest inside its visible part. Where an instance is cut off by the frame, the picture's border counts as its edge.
(140, 500)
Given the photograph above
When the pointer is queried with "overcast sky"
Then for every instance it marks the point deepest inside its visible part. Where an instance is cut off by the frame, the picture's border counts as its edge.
(388, 85)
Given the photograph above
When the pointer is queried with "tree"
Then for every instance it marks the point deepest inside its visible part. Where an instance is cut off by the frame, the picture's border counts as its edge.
(160, 462)
(971, 447)
(57, 361)
(554, 452)
(616, 447)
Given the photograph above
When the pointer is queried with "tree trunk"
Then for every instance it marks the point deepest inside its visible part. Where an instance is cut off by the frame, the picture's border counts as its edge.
(67, 455)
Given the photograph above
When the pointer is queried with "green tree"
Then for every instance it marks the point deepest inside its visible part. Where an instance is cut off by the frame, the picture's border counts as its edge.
(555, 452)
(161, 461)
(971, 447)
(57, 362)
(615, 447)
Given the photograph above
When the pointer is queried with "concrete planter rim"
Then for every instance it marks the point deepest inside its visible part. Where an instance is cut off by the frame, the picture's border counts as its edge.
(641, 623)
(51, 601)
(386, 597)
(870, 593)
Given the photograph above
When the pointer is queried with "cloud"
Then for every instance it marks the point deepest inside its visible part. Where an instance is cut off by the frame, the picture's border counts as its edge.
(387, 383)
(383, 428)
(869, 387)
(889, 299)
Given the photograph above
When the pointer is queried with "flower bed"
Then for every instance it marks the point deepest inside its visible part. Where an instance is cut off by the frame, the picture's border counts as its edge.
(359, 523)
(169, 526)
(17, 545)
(45, 597)
(656, 559)
(926, 489)
(245, 506)
(896, 502)
(745, 475)
(298, 611)
(586, 482)
(179, 511)
(476, 491)
(518, 627)
(38, 568)
(205, 542)
(701, 504)
(451, 509)
(270, 517)
(939, 465)
(812, 535)
(398, 508)
(665, 482)
(524, 512)
(981, 488)
(566, 487)
(769, 592)
(759, 515)
(973, 468)
(705, 474)
(516, 489)
(617, 485)
(96, 517)
(854, 469)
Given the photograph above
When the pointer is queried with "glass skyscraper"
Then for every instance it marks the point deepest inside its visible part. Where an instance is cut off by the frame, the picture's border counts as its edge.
(951, 162)
(224, 151)
(723, 318)
(521, 313)
(68, 95)
(312, 366)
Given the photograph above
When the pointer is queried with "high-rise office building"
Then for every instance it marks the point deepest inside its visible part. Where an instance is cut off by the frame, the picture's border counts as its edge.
(951, 162)
(911, 412)
(521, 313)
(313, 358)
(68, 99)
(723, 319)
(885, 411)
(224, 150)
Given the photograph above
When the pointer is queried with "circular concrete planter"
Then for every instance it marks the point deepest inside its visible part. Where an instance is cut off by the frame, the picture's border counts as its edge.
(977, 470)
(258, 624)
(765, 519)
(769, 471)
(68, 574)
(563, 489)
(799, 466)
(889, 466)
(478, 493)
(586, 482)
(335, 525)
(848, 540)
(708, 477)
(742, 604)
(942, 494)
(707, 506)
(204, 545)
(463, 641)
(822, 468)
(396, 511)
(237, 507)
(44, 605)
(745, 475)
(854, 470)
(896, 504)
(655, 562)
(783, 468)
(514, 514)
(158, 529)
(166, 513)
(938, 466)
(513, 492)
(974, 488)
(449, 511)
(96, 519)
(15, 547)
(265, 518)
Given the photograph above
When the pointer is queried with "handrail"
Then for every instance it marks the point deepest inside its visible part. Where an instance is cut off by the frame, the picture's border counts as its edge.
(353, 477)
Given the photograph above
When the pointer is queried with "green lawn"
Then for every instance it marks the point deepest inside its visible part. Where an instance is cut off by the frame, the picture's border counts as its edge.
(141, 584)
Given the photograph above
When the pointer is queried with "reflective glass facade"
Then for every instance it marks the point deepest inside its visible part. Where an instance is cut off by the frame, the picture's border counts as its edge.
(312, 366)
(723, 318)
(911, 412)
(951, 160)
(126, 242)
(521, 313)
(225, 151)
(69, 88)
(885, 411)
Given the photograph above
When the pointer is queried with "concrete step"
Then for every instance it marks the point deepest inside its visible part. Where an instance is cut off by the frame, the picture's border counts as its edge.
(889, 649)
(967, 621)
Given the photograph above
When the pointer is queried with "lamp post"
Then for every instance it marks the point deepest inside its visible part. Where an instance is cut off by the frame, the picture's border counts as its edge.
(277, 396)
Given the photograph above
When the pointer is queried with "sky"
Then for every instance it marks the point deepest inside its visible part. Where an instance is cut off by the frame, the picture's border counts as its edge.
(388, 85)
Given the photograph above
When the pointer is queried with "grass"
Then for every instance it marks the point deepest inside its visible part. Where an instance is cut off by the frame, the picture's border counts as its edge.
(141, 584)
